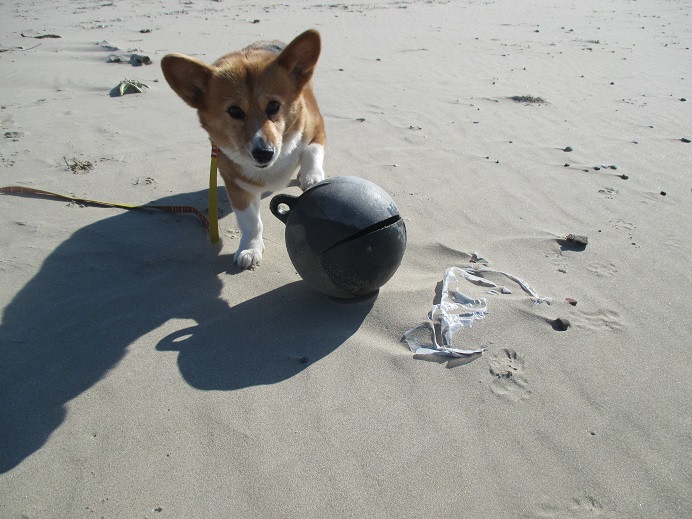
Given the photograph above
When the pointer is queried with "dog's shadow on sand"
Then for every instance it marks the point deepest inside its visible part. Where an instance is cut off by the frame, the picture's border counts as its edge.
(113, 282)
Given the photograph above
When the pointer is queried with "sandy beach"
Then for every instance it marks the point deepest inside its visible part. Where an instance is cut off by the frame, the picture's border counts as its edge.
(143, 375)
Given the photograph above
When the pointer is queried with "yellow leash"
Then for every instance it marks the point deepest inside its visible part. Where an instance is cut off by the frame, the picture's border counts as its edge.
(213, 198)
(211, 223)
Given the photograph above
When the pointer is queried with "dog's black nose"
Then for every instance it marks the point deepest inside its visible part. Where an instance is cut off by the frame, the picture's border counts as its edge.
(262, 154)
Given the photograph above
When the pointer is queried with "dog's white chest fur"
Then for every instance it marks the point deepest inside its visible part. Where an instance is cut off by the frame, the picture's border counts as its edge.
(278, 174)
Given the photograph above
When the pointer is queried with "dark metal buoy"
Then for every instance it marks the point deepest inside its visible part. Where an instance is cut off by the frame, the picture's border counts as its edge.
(344, 235)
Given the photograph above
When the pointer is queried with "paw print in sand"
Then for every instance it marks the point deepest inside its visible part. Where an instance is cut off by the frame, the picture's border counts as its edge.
(507, 368)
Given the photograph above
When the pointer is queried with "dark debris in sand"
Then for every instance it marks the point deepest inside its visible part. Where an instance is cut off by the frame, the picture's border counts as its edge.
(528, 99)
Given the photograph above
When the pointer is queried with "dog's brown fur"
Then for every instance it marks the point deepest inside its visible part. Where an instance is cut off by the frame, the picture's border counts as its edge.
(235, 99)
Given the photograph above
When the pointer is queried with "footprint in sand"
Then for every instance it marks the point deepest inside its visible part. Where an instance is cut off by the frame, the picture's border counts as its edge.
(608, 192)
(671, 241)
(602, 269)
(584, 507)
(600, 320)
(509, 382)
(6, 163)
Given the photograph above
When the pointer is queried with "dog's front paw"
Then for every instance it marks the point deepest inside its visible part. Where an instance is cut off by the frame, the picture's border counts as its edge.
(310, 178)
(247, 258)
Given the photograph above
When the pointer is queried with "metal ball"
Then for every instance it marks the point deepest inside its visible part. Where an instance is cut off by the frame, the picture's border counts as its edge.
(344, 235)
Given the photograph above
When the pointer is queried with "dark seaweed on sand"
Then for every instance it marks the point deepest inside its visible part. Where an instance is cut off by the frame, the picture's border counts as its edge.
(528, 99)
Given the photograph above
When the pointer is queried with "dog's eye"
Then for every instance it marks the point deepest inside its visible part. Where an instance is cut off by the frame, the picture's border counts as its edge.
(272, 108)
(236, 112)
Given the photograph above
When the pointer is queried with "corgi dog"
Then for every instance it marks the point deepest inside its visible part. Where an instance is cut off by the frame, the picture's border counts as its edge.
(258, 107)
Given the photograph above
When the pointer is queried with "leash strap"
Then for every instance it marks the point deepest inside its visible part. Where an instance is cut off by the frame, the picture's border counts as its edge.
(213, 226)
(211, 223)
(185, 209)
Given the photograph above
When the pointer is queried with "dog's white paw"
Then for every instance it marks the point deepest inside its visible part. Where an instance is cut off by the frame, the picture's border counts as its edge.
(247, 258)
(310, 178)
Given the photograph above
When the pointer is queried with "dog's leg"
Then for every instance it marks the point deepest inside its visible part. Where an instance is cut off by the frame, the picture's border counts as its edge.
(311, 171)
(249, 251)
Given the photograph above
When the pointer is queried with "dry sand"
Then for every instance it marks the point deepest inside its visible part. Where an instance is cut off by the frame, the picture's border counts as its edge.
(144, 376)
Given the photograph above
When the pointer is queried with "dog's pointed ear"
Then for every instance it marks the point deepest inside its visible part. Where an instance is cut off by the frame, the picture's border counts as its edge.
(300, 57)
(188, 77)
